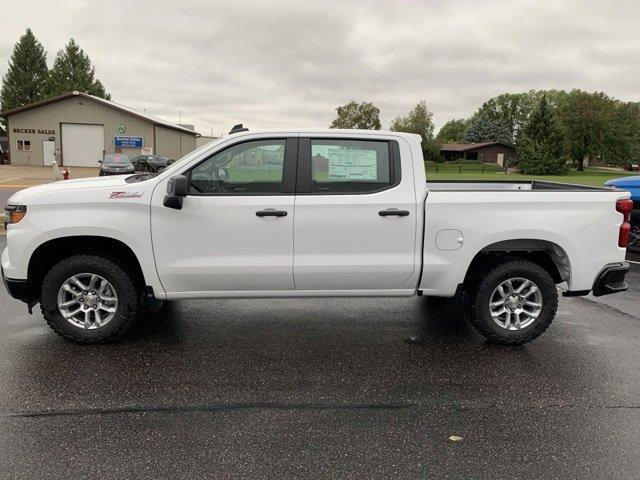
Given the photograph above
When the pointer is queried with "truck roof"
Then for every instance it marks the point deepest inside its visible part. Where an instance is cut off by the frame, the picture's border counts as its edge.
(331, 132)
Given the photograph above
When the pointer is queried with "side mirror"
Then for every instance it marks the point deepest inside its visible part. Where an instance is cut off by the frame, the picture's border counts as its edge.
(99, 162)
(177, 189)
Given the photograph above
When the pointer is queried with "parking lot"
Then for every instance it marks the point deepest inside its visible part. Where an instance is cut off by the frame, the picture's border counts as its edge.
(323, 388)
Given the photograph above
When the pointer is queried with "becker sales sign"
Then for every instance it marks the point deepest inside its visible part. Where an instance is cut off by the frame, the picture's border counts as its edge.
(128, 142)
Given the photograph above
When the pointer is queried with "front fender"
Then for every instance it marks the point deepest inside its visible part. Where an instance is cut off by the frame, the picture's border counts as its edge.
(128, 225)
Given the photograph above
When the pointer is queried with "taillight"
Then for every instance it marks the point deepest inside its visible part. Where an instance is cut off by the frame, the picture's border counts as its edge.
(624, 207)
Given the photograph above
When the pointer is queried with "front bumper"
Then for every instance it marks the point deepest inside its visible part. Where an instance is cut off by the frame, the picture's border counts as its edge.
(611, 280)
(17, 288)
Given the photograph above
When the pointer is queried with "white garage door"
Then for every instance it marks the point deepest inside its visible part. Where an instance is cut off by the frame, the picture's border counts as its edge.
(82, 145)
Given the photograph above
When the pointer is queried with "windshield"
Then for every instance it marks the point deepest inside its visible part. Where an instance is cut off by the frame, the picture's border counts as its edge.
(175, 165)
(117, 159)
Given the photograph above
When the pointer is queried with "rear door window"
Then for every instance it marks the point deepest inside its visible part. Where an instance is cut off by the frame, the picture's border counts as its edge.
(350, 166)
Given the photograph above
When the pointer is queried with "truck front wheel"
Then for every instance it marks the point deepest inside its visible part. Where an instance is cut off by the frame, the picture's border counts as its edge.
(513, 302)
(88, 299)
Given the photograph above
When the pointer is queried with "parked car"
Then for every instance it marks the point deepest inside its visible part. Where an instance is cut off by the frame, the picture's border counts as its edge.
(150, 163)
(631, 184)
(632, 167)
(116, 164)
(365, 221)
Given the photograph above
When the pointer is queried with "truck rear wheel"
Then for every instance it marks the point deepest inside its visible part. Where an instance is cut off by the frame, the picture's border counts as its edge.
(88, 299)
(513, 302)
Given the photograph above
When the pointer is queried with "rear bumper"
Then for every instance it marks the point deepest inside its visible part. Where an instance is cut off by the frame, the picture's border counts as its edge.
(611, 280)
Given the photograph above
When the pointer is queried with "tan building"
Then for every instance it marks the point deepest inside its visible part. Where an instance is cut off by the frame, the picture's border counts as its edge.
(204, 139)
(77, 129)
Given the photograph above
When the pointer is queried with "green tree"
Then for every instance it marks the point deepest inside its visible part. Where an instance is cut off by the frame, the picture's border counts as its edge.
(514, 109)
(624, 140)
(419, 121)
(589, 122)
(486, 129)
(509, 109)
(72, 70)
(26, 77)
(363, 116)
(540, 143)
(452, 131)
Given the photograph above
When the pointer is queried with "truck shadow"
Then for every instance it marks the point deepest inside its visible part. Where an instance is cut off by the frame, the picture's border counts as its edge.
(163, 325)
(430, 320)
(443, 319)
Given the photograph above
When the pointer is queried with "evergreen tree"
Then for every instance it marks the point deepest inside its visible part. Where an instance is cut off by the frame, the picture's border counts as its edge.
(514, 109)
(363, 116)
(72, 70)
(539, 145)
(420, 121)
(486, 129)
(26, 77)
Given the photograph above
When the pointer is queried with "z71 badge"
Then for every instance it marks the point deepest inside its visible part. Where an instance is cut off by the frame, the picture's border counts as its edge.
(125, 194)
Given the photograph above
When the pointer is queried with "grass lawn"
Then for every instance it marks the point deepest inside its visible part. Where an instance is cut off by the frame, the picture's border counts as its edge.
(448, 171)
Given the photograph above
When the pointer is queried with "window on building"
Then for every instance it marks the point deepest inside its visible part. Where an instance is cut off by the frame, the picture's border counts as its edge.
(345, 166)
(247, 168)
(23, 145)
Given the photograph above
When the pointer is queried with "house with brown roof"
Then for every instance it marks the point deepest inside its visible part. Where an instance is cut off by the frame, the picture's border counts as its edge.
(488, 152)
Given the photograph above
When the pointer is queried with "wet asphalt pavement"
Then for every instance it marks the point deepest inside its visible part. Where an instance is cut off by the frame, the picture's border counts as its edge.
(323, 388)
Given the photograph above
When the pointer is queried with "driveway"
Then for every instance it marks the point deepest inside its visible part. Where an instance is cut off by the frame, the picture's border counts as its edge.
(322, 388)
(22, 176)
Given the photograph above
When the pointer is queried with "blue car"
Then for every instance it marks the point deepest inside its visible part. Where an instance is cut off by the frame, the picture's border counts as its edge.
(632, 184)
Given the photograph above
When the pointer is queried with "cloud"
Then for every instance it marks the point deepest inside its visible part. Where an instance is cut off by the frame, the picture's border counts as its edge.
(277, 64)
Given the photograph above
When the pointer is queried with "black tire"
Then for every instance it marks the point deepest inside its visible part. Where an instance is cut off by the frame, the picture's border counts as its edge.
(482, 286)
(634, 237)
(120, 280)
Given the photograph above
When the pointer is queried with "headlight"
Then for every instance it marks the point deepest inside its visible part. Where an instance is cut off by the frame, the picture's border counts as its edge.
(14, 214)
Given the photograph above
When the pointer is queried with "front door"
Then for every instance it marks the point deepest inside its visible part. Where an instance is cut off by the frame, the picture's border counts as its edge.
(48, 152)
(355, 225)
(235, 230)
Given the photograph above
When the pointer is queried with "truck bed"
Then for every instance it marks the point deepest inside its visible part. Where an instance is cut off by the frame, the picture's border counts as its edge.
(492, 186)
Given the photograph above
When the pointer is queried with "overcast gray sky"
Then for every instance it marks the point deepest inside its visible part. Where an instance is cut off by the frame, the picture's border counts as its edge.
(273, 64)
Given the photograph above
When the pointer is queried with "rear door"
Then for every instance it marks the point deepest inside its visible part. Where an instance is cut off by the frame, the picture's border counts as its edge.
(355, 222)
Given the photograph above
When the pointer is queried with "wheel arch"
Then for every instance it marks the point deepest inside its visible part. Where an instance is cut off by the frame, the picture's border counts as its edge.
(549, 255)
(52, 251)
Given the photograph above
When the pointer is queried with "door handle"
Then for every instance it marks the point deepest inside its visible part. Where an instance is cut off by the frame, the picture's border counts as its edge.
(271, 213)
(393, 212)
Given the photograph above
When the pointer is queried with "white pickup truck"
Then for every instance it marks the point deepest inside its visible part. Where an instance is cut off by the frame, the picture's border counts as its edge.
(307, 214)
